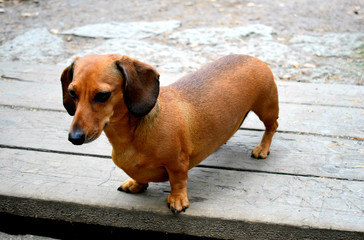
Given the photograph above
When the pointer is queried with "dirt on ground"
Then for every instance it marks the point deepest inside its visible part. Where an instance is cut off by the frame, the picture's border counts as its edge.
(309, 41)
(290, 17)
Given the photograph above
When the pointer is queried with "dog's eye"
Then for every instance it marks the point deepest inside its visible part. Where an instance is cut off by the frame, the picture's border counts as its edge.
(102, 97)
(72, 94)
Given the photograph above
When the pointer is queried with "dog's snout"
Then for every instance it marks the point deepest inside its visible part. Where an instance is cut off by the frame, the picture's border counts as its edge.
(77, 136)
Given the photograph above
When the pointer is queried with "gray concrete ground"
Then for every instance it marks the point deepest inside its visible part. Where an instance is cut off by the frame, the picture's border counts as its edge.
(310, 41)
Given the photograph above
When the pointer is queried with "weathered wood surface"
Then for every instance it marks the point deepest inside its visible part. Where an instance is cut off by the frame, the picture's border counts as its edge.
(225, 195)
(313, 178)
(330, 157)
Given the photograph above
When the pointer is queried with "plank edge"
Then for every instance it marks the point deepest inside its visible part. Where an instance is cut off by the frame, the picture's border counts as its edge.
(150, 221)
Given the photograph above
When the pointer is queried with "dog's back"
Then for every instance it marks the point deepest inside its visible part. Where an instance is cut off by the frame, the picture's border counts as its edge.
(221, 94)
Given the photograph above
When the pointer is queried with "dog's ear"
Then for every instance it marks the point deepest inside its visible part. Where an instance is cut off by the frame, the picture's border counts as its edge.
(141, 85)
(66, 79)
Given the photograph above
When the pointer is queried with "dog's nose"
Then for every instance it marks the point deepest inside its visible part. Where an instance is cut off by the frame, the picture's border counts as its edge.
(77, 136)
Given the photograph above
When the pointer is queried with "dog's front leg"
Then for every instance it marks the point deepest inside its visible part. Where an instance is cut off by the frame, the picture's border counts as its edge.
(178, 198)
(132, 186)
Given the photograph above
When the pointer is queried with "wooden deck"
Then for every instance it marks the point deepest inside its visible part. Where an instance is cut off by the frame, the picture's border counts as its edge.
(311, 186)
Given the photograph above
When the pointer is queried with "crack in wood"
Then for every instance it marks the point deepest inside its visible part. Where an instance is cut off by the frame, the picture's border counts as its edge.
(278, 173)
(33, 109)
(323, 104)
(6, 78)
(356, 138)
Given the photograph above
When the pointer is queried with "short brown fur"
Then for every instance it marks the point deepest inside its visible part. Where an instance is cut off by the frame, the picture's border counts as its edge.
(158, 134)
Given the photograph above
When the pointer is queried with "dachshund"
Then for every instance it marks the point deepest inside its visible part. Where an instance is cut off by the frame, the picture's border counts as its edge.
(159, 133)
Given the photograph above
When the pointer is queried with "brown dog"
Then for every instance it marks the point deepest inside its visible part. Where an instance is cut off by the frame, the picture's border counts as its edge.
(158, 134)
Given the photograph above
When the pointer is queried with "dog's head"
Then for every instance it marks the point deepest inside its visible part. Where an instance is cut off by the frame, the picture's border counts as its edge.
(97, 87)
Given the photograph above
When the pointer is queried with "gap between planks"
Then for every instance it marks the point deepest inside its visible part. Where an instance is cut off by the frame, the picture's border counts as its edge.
(320, 104)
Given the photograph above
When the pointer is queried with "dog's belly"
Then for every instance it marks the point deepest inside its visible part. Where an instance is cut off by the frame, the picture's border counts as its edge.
(147, 174)
(139, 167)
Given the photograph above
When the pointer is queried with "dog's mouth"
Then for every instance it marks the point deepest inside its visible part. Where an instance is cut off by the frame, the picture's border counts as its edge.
(88, 139)
(92, 136)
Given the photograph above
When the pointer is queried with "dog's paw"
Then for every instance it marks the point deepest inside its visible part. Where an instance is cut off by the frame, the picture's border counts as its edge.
(132, 186)
(177, 203)
(259, 152)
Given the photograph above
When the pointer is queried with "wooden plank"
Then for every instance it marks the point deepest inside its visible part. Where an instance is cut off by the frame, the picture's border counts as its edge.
(50, 74)
(31, 95)
(293, 154)
(22, 71)
(290, 153)
(321, 94)
(44, 130)
(289, 92)
(43, 95)
(316, 119)
(83, 189)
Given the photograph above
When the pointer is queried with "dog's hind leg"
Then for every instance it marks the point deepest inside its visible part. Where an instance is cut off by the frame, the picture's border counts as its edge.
(262, 150)
(268, 115)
